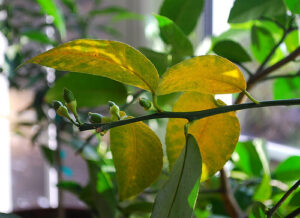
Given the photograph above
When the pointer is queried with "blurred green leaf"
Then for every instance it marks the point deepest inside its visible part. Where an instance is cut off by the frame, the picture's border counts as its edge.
(88, 152)
(178, 196)
(145, 207)
(50, 7)
(89, 90)
(118, 12)
(293, 6)
(48, 154)
(292, 41)
(248, 161)
(264, 190)
(70, 186)
(172, 35)
(286, 88)
(288, 170)
(257, 210)
(71, 4)
(184, 13)
(160, 60)
(245, 10)
(295, 200)
(38, 36)
(262, 42)
(232, 51)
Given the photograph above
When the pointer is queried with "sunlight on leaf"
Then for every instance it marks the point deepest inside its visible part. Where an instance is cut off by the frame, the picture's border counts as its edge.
(115, 60)
(206, 74)
(216, 135)
(137, 154)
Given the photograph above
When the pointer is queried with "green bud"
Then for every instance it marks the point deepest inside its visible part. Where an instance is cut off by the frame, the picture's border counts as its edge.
(63, 112)
(114, 110)
(145, 103)
(106, 120)
(95, 117)
(71, 103)
(68, 96)
(57, 104)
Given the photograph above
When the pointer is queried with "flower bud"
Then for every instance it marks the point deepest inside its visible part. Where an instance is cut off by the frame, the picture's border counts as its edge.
(61, 110)
(95, 117)
(145, 103)
(70, 101)
(114, 110)
(56, 105)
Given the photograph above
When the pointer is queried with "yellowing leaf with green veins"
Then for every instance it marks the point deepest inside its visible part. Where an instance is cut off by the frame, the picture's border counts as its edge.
(216, 135)
(206, 74)
(137, 154)
(115, 60)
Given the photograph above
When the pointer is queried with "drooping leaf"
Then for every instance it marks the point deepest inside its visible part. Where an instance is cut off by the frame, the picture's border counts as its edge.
(38, 36)
(160, 60)
(89, 90)
(262, 42)
(248, 159)
(231, 50)
(244, 10)
(264, 190)
(207, 74)
(137, 154)
(172, 35)
(288, 170)
(184, 13)
(111, 59)
(178, 196)
(293, 6)
(215, 148)
(50, 7)
(292, 41)
(286, 88)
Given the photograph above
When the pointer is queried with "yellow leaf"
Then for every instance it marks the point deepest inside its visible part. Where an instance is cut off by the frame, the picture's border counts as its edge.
(115, 60)
(137, 154)
(216, 135)
(208, 74)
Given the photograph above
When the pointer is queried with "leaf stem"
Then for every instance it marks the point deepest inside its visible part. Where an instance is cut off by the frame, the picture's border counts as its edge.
(155, 104)
(250, 97)
(190, 116)
(284, 197)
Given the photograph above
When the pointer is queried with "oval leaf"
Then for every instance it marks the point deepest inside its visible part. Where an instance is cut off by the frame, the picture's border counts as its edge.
(216, 135)
(137, 154)
(207, 74)
(89, 90)
(111, 59)
(288, 170)
(231, 50)
(177, 198)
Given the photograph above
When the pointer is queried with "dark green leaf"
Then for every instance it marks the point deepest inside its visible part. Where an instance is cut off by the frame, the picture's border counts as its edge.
(50, 7)
(160, 60)
(232, 51)
(89, 90)
(172, 35)
(49, 154)
(38, 36)
(295, 200)
(258, 210)
(293, 6)
(118, 12)
(245, 10)
(145, 207)
(288, 170)
(248, 161)
(71, 4)
(70, 186)
(286, 88)
(177, 198)
(262, 42)
(184, 13)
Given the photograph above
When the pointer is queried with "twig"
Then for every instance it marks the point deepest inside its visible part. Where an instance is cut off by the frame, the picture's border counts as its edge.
(289, 76)
(294, 213)
(284, 197)
(190, 116)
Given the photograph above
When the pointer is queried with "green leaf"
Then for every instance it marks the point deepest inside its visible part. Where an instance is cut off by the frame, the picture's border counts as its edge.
(184, 13)
(50, 7)
(215, 148)
(245, 10)
(89, 90)
(178, 196)
(160, 60)
(295, 200)
(70, 186)
(264, 190)
(293, 6)
(209, 74)
(118, 12)
(145, 207)
(286, 88)
(262, 42)
(248, 159)
(292, 41)
(115, 60)
(38, 36)
(288, 170)
(232, 51)
(172, 35)
(137, 154)
(71, 4)
(49, 154)
(258, 210)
